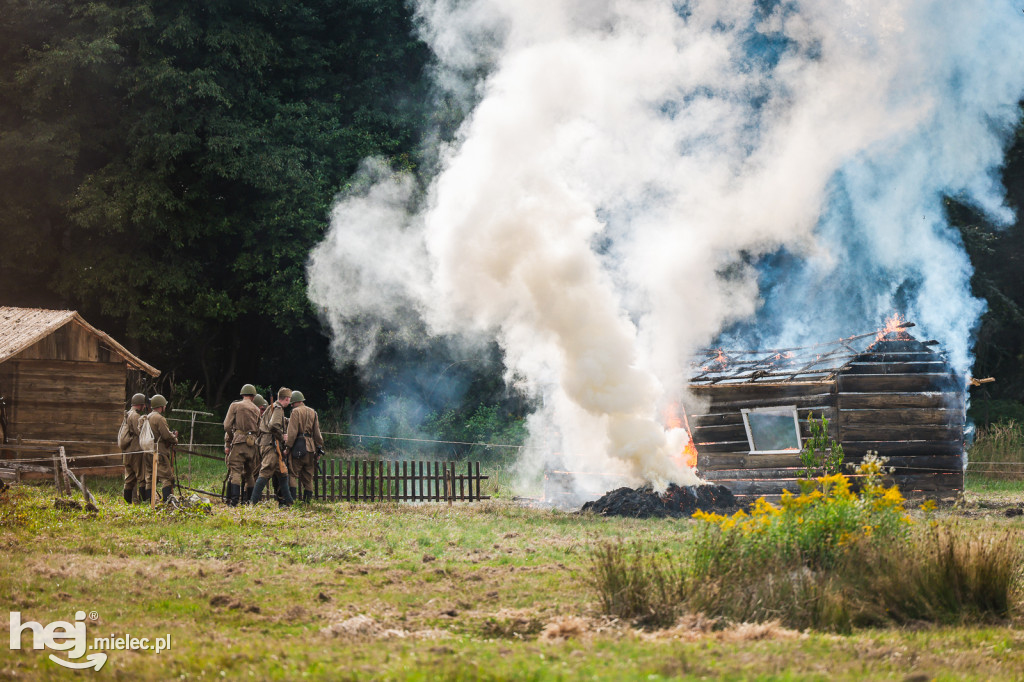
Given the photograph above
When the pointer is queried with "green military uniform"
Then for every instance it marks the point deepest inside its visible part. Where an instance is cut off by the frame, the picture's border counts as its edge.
(272, 430)
(165, 440)
(241, 425)
(305, 424)
(132, 457)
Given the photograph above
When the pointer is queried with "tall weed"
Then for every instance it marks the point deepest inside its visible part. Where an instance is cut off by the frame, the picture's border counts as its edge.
(998, 450)
(637, 581)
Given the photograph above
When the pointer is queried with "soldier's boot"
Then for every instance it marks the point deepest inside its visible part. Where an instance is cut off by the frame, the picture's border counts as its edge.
(307, 496)
(294, 493)
(143, 495)
(128, 495)
(246, 496)
(166, 492)
(257, 490)
(284, 498)
(234, 492)
(275, 484)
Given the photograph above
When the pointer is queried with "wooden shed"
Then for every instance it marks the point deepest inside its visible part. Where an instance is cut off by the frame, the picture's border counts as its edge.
(886, 392)
(63, 382)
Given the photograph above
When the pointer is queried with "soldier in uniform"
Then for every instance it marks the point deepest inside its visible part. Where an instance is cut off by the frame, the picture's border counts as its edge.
(241, 428)
(165, 439)
(132, 456)
(305, 445)
(272, 430)
(252, 469)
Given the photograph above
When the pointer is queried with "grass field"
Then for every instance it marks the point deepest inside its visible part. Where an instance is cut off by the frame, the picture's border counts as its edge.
(483, 591)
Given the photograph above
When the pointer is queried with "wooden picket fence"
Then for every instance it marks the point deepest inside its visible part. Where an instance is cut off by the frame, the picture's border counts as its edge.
(409, 481)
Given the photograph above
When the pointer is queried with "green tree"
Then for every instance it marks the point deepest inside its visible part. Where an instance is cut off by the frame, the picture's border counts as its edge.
(167, 166)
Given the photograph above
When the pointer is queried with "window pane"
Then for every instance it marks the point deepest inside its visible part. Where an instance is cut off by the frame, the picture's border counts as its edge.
(772, 431)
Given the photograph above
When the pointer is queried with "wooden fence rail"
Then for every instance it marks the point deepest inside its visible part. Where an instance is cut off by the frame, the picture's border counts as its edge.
(409, 481)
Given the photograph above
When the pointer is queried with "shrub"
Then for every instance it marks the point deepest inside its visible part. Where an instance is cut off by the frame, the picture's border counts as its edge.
(828, 558)
(810, 529)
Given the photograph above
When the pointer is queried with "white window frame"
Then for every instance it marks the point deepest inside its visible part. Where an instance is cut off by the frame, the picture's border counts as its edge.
(781, 410)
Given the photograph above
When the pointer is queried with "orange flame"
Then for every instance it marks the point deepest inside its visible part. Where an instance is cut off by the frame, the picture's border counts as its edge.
(893, 325)
(675, 419)
(689, 455)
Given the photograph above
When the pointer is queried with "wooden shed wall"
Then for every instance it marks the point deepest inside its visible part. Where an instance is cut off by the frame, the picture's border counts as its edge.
(66, 387)
(70, 342)
(904, 401)
(901, 400)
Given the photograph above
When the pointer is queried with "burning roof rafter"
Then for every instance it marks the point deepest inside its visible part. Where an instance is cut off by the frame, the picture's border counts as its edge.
(819, 362)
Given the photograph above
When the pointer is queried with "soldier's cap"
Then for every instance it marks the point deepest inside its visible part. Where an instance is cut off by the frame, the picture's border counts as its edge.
(283, 393)
(138, 399)
(297, 397)
(259, 401)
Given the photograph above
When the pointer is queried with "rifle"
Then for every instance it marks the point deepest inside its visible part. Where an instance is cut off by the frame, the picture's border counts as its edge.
(281, 466)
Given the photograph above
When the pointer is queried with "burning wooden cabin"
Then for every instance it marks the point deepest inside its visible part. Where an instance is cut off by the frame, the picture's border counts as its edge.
(63, 382)
(885, 392)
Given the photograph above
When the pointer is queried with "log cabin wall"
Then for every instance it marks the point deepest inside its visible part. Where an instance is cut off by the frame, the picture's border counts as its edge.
(903, 400)
(898, 398)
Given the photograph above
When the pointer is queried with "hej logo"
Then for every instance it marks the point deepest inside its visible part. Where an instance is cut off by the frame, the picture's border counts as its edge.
(59, 636)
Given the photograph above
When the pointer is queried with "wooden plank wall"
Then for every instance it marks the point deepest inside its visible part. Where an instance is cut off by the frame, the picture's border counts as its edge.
(903, 401)
(80, 404)
(71, 342)
(721, 440)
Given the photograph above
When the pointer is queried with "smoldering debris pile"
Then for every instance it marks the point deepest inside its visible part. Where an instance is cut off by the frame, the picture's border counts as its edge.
(676, 501)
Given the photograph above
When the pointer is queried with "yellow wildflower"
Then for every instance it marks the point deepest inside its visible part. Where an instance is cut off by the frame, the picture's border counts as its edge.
(763, 507)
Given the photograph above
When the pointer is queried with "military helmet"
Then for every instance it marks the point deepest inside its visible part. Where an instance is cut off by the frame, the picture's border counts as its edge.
(297, 397)
(259, 401)
(248, 389)
(138, 399)
(158, 401)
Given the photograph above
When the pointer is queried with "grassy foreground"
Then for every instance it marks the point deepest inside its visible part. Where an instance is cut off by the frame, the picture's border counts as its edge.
(487, 591)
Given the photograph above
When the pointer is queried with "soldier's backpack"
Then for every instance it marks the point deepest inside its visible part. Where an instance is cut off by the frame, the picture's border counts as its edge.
(299, 448)
(124, 435)
(146, 438)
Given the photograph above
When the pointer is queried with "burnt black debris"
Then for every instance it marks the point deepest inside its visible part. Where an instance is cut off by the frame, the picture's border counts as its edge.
(676, 501)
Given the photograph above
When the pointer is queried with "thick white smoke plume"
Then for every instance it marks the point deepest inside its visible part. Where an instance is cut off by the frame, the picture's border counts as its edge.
(632, 170)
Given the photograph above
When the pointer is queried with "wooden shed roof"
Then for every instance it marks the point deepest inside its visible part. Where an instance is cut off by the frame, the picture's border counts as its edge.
(816, 363)
(22, 327)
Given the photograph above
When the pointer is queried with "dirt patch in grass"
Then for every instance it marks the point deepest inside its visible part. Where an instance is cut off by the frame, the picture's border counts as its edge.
(361, 628)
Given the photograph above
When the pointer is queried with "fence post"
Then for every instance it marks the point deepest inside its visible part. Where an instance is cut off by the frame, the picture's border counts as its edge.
(366, 468)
